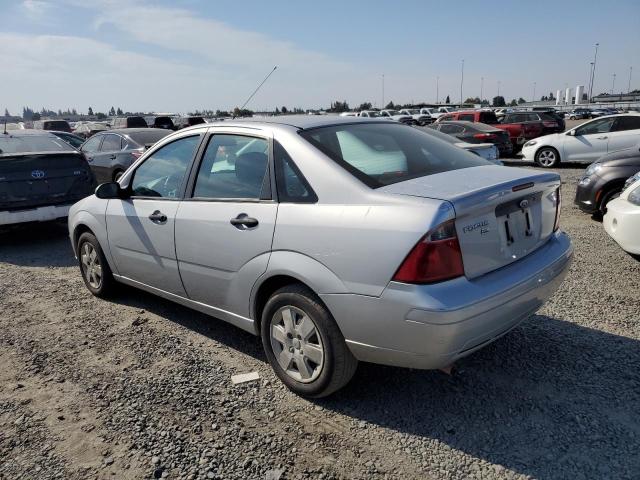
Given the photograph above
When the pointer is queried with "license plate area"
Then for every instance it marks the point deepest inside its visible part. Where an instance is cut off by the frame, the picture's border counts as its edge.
(519, 224)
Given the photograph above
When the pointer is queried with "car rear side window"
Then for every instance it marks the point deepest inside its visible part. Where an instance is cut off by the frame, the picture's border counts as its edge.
(382, 154)
(488, 117)
(631, 122)
(234, 166)
(92, 144)
(292, 186)
(111, 143)
(466, 117)
(162, 173)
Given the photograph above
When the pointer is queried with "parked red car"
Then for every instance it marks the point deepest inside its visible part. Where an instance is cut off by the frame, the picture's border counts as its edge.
(519, 132)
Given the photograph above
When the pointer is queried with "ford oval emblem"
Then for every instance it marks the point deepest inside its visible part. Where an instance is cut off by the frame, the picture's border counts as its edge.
(524, 204)
(37, 174)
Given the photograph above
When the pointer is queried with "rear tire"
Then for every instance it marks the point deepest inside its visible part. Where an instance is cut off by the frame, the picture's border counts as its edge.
(547, 157)
(94, 268)
(294, 321)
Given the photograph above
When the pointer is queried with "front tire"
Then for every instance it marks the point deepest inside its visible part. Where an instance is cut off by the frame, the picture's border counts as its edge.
(606, 198)
(548, 157)
(94, 268)
(304, 344)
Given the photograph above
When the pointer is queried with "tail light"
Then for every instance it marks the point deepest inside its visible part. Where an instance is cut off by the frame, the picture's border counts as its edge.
(557, 199)
(550, 124)
(485, 136)
(436, 257)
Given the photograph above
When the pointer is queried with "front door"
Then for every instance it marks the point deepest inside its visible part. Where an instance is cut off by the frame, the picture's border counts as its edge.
(141, 228)
(225, 229)
(589, 142)
(625, 133)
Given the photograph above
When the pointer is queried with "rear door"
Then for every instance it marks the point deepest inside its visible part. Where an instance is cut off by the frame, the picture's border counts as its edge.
(141, 228)
(625, 133)
(224, 228)
(590, 141)
(105, 158)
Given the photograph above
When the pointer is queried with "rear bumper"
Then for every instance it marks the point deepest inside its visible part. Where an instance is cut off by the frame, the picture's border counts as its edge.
(622, 223)
(431, 326)
(40, 214)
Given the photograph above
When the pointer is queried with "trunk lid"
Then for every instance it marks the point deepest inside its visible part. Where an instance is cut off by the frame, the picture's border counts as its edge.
(502, 213)
(48, 178)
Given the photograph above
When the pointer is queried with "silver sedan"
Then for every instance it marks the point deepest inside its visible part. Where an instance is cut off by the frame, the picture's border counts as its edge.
(336, 240)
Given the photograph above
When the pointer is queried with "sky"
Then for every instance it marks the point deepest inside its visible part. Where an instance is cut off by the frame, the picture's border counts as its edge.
(178, 56)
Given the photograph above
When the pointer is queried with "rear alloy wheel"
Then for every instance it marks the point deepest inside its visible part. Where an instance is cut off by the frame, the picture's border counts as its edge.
(94, 267)
(547, 157)
(304, 344)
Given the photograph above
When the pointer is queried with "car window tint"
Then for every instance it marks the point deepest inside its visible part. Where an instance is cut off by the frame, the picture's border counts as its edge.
(162, 174)
(233, 166)
(451, 129)
(602, 125)
(488, 117)
(92, 144)
(111, 143)
(292, 186)
(631, 122)
(468, 117)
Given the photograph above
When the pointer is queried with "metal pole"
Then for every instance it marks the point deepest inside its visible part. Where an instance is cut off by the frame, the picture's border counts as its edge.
(461, 82)
(629, 86)
(613, 84)
(590, 73)
(382, 106)
(498, 88)
(437, 90)
(593, 72)
(481, 85)
(534, 92)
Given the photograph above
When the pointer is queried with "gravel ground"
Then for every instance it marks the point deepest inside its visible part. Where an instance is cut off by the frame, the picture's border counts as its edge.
(140, 387)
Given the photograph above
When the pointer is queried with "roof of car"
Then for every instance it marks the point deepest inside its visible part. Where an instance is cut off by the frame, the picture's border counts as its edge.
(29, 131)
(464, 123)
(125, 131)
(303, 122)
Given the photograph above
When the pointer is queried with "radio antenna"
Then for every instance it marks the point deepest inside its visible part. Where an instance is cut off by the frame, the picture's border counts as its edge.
(256, 90)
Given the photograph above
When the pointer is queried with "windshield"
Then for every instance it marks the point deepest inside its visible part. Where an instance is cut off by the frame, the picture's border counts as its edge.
(393, 112)
(32, 143)
(414, 112)
(372, 114)
(382, 154)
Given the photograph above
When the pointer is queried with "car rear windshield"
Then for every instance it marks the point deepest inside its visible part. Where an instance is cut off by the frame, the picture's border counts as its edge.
(32, 143)
(57, 125)
(488, 117)
(136, 122)
(382, 154)
(148, 136)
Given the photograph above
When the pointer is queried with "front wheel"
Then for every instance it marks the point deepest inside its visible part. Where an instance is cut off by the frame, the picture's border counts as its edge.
(94, 267)
(606, 198)
(547, 157)
(304, 344)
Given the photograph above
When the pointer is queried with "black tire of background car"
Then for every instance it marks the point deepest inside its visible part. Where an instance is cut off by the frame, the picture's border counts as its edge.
(339, 363)
(606, 198)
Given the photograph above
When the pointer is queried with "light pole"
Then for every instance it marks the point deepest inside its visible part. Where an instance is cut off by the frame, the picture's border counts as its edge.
(590, 73)
(533, 99)
(629, 86)
(382, 106)
(437, 90)
(613, 84)
(593, 72)
(461, 81)
(498, 88)
(481, 85)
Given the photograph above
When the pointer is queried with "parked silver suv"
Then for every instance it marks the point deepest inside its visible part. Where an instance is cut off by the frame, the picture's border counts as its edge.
(335, 239)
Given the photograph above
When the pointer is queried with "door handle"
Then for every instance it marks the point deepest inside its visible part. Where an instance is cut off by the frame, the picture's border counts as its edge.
(244, 221)
(603, 138)
(112, 157)
(158, 217)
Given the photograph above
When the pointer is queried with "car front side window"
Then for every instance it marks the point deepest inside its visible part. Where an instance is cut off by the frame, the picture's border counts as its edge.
(162, 174)
(602, 125)
(92, 144)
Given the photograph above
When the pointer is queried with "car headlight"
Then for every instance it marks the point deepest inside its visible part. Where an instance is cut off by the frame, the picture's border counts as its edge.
(530, 143)
(593, 169)
(632, 179)
(634, 196)
(584, 181)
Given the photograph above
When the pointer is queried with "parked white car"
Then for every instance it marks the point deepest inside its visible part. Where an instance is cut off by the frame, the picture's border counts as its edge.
(622, 220)
(432, 112)
(369, 114)
(397, 116)
(420, 118)
(585, 143)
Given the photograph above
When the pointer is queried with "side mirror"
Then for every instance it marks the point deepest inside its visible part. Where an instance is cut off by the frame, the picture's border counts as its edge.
(571, 133)
(110, 190)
